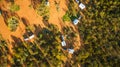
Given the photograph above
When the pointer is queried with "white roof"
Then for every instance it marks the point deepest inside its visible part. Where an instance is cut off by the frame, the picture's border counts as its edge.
(71, 51)
(81, 5)
(31, 36)
(75, 22)
(63, 43)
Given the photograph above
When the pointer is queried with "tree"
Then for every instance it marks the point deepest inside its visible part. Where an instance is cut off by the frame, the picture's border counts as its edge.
(14, 7)
(66, 17)
(99, 34)
(3, 52)
(13, 23)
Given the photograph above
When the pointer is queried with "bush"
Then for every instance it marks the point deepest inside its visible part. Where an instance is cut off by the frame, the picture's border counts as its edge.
(72, 13)
(14, 7)
(66, 17)
(42, 9)
(12, 23)
(46, 18)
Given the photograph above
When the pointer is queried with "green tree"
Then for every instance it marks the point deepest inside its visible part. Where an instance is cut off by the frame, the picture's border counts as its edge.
(14, 7)
(12, 23)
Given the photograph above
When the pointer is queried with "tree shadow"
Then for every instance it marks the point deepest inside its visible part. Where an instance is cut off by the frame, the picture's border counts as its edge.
(8, 14)
(46, 23)
(17, 41)
(67, 64)
(25, 21)
(61, 22)
(35, 3)
(5, 15)
(38, 29)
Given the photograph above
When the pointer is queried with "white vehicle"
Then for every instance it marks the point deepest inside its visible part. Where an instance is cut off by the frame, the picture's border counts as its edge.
(28, 35)
(82, 6)
(71, 51)
(63, 43)
(76, 21)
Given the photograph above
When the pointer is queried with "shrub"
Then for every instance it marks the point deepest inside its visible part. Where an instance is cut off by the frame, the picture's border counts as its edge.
(66, 17)
(14, 7)
(12, 23)
(57, 5)
(46, 18)
(42, 9)
(72, 13)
